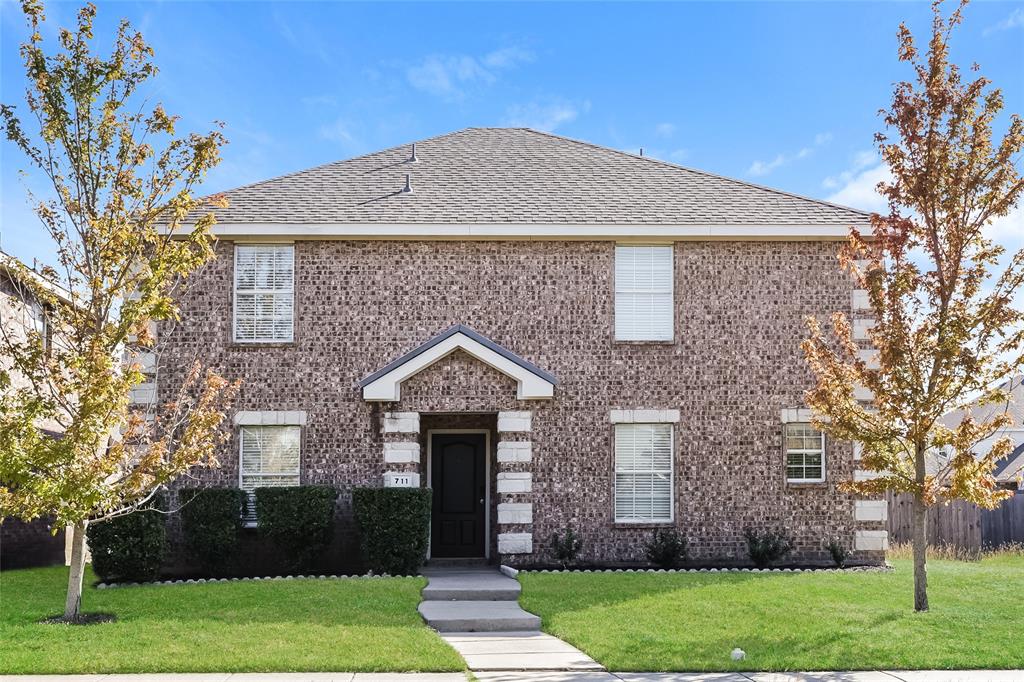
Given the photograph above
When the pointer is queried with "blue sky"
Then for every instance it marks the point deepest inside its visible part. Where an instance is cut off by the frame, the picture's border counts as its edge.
(783, 94)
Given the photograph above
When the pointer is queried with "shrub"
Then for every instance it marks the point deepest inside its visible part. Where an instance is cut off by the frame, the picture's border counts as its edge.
(667, 548)
(129, 547)
(211, 519)
(298, 520)
(838, 552)
(767, 546)
(566, 547)
(394, 528)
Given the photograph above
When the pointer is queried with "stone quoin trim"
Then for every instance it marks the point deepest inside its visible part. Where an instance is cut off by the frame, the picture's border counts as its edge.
(514, 483)
(871, 510)
(532, 382)
(515, 543)
(401, 422)
(515, 451)
(401, 453)
(514, 422)
(871, 540)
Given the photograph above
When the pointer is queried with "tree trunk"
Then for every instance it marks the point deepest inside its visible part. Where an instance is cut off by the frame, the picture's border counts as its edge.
(920, 542)
(73, 603)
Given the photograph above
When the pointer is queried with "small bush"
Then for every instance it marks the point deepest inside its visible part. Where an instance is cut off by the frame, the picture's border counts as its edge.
(566, 546)
(128, 548)
(838, 551)
(394, 528)
(667, 548)
(767, 546)
(211, 519)
(299, 520)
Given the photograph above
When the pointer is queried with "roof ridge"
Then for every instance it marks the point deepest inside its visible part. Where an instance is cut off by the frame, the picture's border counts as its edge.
(695, 170)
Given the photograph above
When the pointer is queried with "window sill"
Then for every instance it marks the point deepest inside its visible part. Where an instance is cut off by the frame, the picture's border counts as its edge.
(257, 345)
(806, 484)
(622, 525)
(624, 342)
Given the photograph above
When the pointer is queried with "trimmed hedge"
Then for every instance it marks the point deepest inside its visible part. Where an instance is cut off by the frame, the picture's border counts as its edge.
(299, 520)
(129, 547)
(394, 528)
(211, 519)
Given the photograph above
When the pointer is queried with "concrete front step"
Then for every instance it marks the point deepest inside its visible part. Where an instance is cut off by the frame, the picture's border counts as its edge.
(532, 651)
(470, 585)
(477, 616)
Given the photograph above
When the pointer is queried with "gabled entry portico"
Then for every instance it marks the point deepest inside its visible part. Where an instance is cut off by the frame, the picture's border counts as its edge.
(477, 461)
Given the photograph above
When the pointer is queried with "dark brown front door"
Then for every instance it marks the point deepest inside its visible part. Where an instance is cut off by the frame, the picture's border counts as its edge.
(458, 464)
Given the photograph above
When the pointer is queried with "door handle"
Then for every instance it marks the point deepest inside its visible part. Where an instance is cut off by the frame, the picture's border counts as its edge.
(481, 500)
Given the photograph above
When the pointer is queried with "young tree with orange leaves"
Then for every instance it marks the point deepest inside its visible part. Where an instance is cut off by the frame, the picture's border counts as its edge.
(122, 182)
(946, 327)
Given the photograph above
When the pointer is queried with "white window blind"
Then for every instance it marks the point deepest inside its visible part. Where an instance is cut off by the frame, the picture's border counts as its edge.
(805, 454)
(643, 293)
(643, 472)
(269, 458)
(264, 292)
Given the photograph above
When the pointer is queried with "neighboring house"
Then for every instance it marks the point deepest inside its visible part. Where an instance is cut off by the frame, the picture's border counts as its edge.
(1009, 470)
(546, 332)
(25, 544)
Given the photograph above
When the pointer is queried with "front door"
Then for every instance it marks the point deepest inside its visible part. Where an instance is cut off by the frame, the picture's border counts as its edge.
(458, 477)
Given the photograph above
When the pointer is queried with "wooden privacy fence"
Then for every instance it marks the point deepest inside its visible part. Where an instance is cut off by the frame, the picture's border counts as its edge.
(960, 524)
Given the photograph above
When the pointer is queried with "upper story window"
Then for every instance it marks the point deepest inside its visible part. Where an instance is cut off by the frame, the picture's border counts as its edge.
(805, 453)
(269, 457)
(264, 292)
(643, 473)
(643, 293)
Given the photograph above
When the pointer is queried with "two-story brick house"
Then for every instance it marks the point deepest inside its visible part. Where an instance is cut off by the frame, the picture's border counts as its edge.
(546, 332)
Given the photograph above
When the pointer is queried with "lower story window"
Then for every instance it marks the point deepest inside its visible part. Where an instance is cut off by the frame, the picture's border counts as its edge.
(643, 473)
(805, 454)
(269, 457)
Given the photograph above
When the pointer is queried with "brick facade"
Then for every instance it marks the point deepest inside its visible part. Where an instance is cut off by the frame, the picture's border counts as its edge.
(733, 367)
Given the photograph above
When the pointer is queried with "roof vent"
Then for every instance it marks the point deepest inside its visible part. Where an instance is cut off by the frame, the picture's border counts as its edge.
(413, 158)
(408, 185)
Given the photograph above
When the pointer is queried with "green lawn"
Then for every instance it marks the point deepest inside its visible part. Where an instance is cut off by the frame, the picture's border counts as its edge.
(788, 621)
(303, 625)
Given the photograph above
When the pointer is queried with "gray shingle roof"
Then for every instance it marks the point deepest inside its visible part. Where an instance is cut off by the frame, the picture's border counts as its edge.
(519, 176)
(1014, 407)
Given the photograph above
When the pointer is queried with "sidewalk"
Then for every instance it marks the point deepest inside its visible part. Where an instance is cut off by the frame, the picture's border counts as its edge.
(537, 676)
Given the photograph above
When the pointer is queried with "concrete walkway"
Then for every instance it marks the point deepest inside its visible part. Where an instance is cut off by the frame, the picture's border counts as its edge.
(476, 610)
(550, 676)
(839, 676)
(243, 677)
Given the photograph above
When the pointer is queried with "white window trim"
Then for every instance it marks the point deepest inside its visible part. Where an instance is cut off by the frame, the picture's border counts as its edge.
(234, 295)
(802, 451)
(298, 472)
(671, 478)
(671, 290)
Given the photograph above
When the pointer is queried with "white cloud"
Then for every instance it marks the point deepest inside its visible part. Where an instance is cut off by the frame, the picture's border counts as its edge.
(861, 160)
(339, 131)
(766, 167)
(665, 129)
(447, 75)
(544, 114)
(759, 167)
(859, 189)
(1015, 20)
(1008, 230)
(507, 57)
